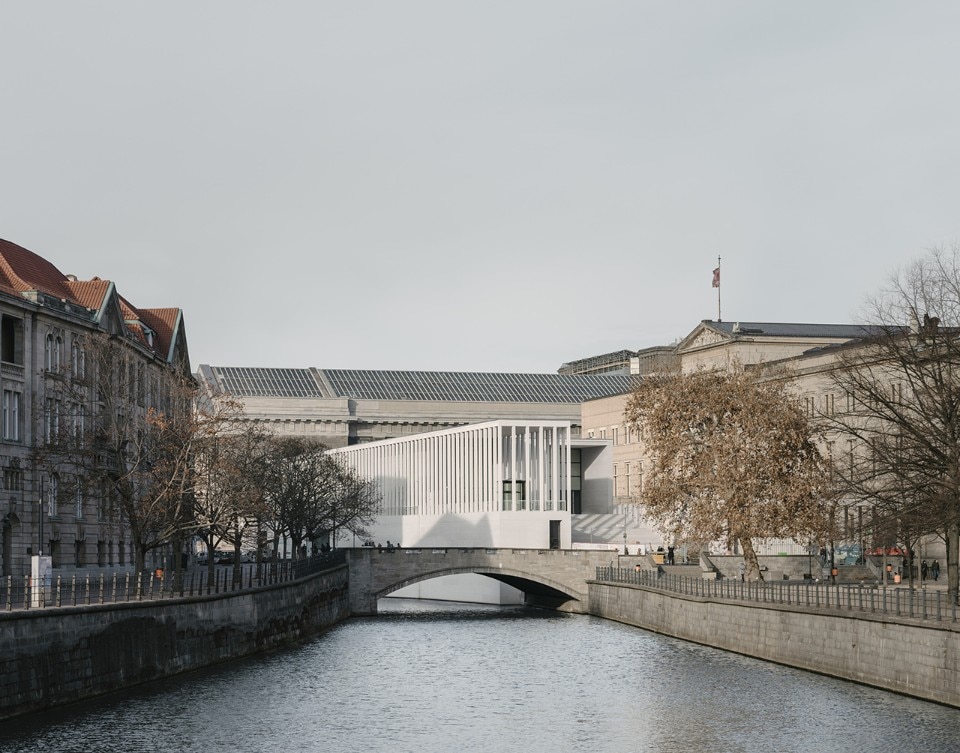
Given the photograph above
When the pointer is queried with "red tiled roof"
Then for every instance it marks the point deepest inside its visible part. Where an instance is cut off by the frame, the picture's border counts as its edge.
(161, 321)
(22, 271)
(89, 293)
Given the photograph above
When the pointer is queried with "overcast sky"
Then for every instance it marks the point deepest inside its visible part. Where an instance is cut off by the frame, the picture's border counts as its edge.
(478, 186)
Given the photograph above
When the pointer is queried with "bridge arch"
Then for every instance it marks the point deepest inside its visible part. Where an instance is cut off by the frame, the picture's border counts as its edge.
(551, 578)
(538, 588)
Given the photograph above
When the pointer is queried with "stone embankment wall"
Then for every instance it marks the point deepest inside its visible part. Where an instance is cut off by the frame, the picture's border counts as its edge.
(61, 655)
(917, 659)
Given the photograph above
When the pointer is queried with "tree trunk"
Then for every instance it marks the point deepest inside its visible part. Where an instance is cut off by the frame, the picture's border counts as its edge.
(750, 560)
(953, 549)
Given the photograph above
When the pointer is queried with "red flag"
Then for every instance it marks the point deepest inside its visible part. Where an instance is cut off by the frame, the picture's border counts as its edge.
(716, 277)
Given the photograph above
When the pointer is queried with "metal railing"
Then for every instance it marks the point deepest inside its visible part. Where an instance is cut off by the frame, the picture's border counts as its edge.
(920, 604)
(20, 593)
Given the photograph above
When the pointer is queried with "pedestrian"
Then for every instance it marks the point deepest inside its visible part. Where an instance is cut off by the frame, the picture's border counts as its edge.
(742, 567)
(670, 555)
(923, 570)
(935, 569)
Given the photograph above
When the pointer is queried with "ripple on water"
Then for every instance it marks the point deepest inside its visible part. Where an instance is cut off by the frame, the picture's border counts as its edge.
(430, 677)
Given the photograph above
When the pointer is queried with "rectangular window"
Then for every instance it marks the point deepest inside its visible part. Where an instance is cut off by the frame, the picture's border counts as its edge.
(11, 340)
(12, 479)
(828, 405)
(52, 491)
(12, 404)
(614, 433)
(52, 426)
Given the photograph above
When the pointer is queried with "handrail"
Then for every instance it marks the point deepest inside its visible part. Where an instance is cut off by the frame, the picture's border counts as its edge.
(19, 593)
(930, 605)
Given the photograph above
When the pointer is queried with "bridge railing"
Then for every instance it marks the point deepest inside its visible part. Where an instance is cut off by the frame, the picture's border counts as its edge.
(923, 604)
(22, 593)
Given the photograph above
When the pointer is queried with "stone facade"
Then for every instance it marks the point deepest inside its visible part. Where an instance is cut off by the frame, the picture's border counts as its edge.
(921, 660)
(57, 656)
(48, 322)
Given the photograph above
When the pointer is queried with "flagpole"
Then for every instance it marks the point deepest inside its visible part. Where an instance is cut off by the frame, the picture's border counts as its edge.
(718, 289)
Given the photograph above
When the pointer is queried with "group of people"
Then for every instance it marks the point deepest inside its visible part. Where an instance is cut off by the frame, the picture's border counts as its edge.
(933, 570)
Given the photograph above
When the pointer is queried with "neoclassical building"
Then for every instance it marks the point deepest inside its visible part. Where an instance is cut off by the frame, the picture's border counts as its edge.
(48, 320)
(803, 354)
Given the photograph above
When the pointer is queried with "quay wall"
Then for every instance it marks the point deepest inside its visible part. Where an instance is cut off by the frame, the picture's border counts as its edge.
(920, 659)
(59, 655)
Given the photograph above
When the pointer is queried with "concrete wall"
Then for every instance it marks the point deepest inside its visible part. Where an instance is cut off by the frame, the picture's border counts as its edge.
(62, 655)
(921, 660)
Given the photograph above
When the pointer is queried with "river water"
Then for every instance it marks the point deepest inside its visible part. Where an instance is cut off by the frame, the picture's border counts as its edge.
(432, 677)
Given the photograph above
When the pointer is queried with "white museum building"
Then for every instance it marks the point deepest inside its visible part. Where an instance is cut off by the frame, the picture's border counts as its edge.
(497, 484)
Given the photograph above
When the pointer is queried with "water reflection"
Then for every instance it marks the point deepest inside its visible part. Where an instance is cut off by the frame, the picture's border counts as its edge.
(431, 676)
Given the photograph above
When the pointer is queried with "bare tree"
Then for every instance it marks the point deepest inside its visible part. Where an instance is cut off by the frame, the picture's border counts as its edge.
(902, 383)
(125, 434)
(311, 494)
(733, 458)
(230, 492)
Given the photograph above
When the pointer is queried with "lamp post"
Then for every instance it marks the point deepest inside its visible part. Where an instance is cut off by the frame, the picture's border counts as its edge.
(40, 514)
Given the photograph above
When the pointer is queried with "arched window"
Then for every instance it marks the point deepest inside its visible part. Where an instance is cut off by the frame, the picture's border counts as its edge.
(78, 359)
(53, 352)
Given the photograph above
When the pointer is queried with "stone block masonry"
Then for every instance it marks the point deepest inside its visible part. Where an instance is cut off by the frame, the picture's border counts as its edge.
(920, 659)
(55, 656)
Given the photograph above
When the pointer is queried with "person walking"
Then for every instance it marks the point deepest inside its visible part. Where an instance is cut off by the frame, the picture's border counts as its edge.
(935, 569)
(923, 570)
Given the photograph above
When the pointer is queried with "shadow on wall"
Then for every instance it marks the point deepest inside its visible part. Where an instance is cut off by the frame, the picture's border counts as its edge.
(455, 530)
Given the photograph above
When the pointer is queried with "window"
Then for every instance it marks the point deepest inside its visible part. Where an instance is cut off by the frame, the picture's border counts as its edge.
(52, 489)
(12, 479)
(614, 433)
(52, 419)
(78, 359)
(53, 352)
(12, 404)
(896, 393)
(75, 416)
(11, 340)
(828, 405)
(627, 468)
(78, 499)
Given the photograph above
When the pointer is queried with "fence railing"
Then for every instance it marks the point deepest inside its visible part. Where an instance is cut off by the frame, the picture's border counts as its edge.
(22, 593)
(923, 604)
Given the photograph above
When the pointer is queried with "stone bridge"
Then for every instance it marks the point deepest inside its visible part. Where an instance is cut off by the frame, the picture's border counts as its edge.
(554, 578)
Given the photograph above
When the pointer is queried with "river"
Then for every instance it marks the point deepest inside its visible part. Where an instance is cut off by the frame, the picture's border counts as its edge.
(433, 677)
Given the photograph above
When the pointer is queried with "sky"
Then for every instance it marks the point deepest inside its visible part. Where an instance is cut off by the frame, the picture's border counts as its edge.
(500, 186)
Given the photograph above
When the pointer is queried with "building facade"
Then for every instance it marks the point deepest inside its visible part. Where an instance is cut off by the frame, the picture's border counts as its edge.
(497, 484)
(801, 354)
(344, 407)
(48, 323)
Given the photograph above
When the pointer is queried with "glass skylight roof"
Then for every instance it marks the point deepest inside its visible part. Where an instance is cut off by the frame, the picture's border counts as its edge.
(252, 382)
(438, 386)
(474, 387)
